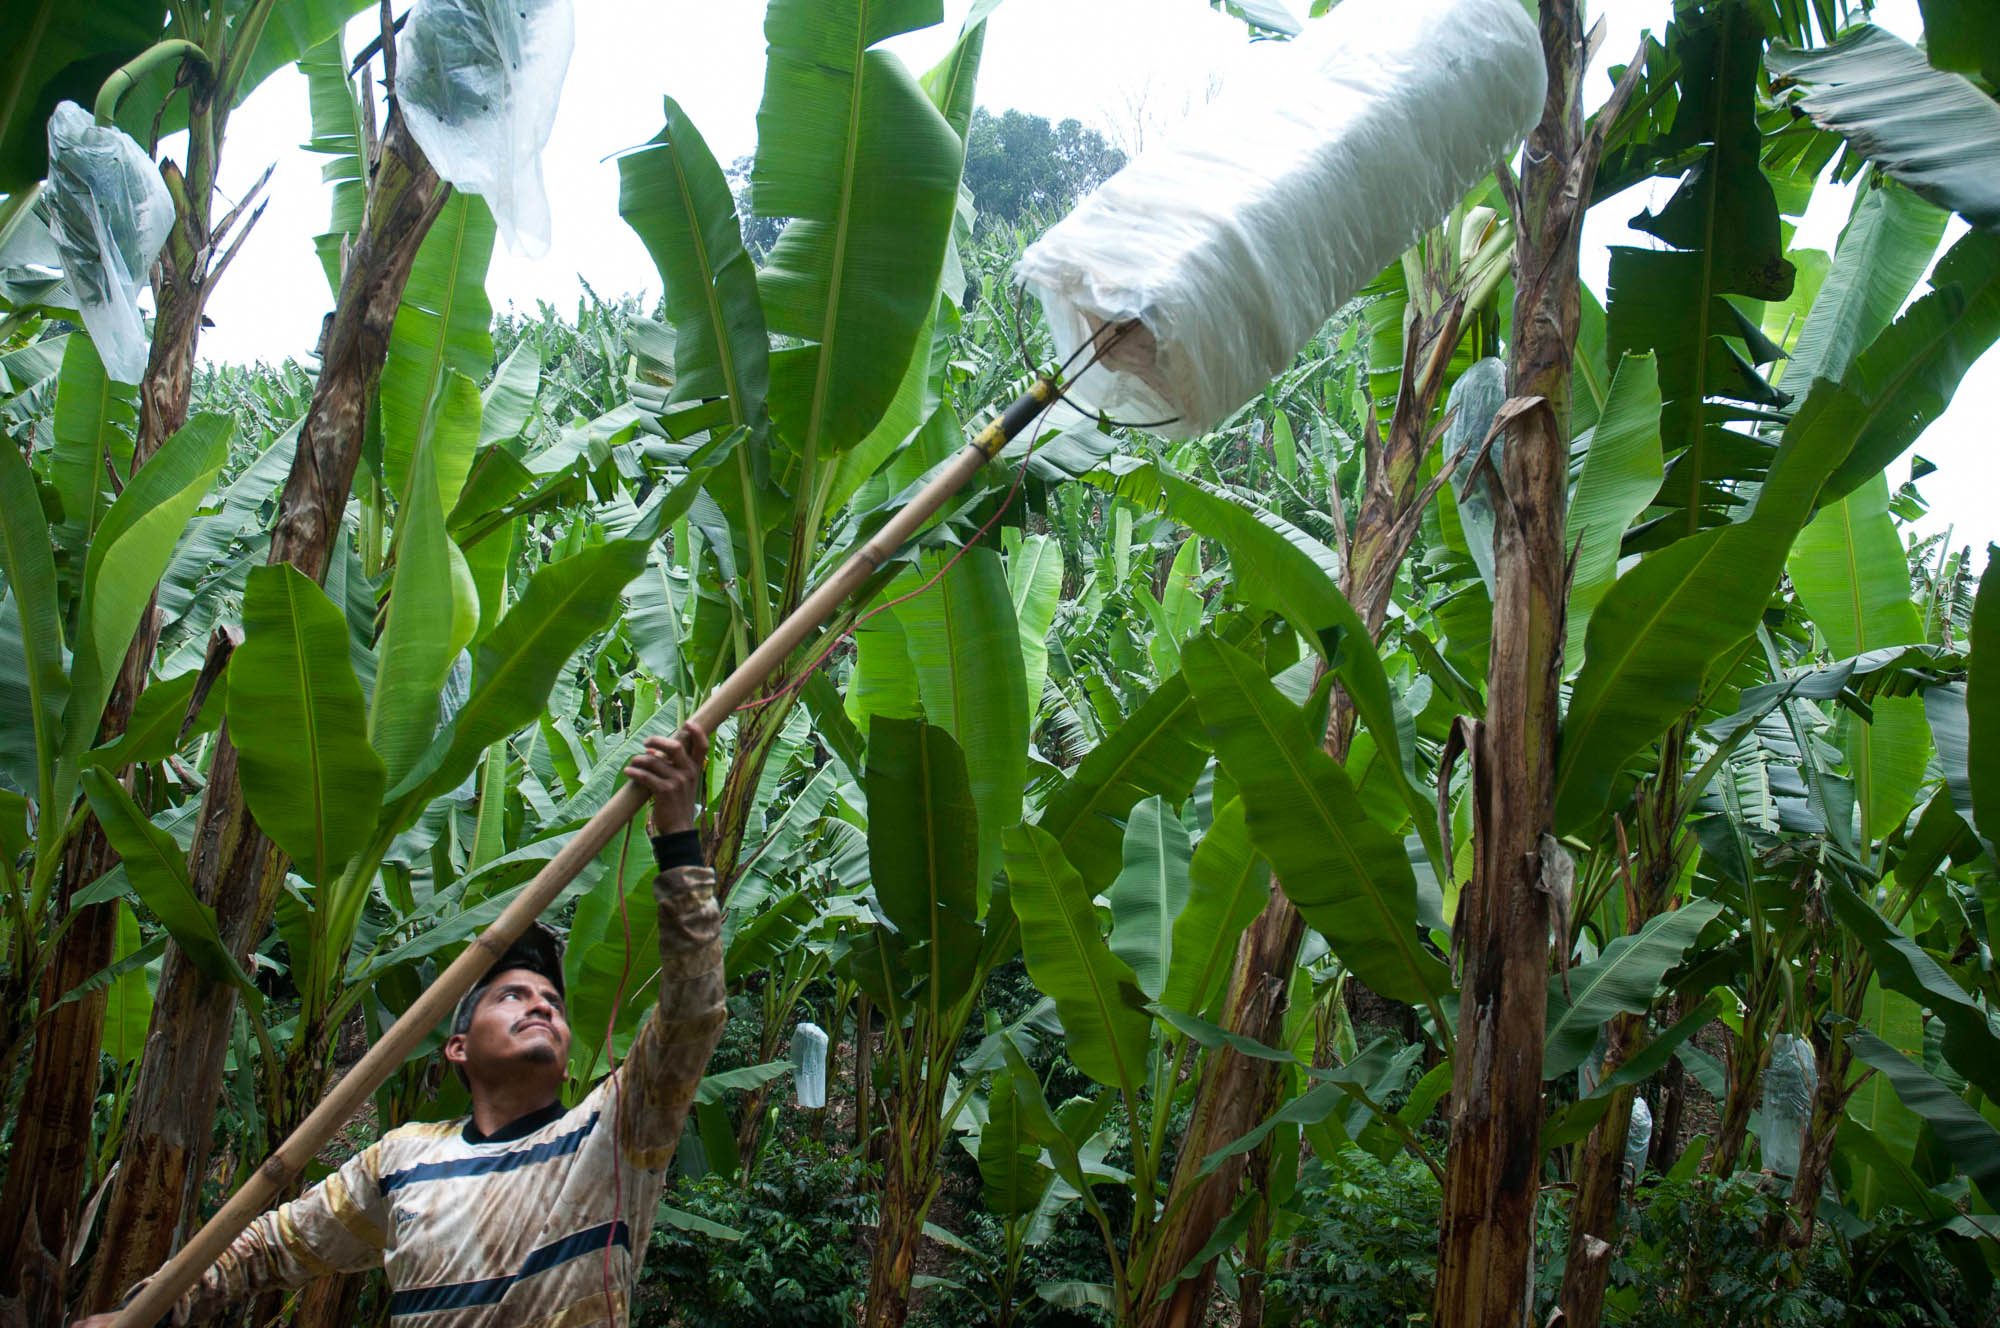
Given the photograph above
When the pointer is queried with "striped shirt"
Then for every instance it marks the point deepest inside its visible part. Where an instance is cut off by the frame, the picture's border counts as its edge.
(515, 1230)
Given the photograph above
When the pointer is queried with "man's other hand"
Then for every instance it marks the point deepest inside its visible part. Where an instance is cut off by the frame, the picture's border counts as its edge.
(94, 1321)
(670, 769)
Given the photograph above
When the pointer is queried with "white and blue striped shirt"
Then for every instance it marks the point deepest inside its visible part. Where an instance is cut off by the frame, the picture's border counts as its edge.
(516, 1229)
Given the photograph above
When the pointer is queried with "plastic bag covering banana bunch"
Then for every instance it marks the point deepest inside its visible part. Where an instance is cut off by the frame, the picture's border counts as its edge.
(479, 82)
(809, 1065)
(1638, 1137)
(1234, 241)
(1789, 1081)
(109, 213)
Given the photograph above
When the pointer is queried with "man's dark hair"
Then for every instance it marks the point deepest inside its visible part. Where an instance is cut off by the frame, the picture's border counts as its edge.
(538, 951)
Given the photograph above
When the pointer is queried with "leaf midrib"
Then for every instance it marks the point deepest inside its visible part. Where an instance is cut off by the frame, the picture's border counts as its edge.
(823, 362)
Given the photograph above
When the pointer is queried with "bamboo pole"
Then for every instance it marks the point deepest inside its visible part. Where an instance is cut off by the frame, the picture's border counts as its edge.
(182, 1271)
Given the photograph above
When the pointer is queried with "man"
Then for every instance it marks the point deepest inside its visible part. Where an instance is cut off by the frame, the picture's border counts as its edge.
(523, 1214)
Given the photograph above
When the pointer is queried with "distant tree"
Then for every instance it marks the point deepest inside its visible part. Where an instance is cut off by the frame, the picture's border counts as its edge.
(1016, 162)
(759, 233)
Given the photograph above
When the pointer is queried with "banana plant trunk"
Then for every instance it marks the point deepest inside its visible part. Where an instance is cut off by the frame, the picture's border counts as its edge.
(1749, 1051)
(1649, 878)
(909, 1177)
(1793, 1225)
(1237, 1091)
(1600, 1179)
(1494, 1166)
(52, 1150)
(234, 867)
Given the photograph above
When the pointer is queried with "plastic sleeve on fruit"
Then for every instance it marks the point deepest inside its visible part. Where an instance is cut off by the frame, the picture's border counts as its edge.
(1232, 243)
(109, 214)
(479, 81)
(809, 1065)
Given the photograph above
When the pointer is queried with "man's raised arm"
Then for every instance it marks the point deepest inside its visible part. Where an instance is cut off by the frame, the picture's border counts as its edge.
(671, 1053)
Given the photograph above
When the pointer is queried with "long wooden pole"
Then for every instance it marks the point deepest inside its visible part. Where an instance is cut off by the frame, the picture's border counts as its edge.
(394, 1047)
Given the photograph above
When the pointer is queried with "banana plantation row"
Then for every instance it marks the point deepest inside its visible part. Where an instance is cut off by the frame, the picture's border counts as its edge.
(1523, 760)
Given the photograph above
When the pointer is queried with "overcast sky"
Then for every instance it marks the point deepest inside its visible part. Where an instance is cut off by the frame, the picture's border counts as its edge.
(1131, 68)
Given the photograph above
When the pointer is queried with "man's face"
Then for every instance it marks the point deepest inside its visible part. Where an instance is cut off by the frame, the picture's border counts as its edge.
(518, 1027)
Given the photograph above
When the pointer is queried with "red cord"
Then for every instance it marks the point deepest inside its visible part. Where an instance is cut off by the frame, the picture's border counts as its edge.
(617, 1096)
(1020, 477)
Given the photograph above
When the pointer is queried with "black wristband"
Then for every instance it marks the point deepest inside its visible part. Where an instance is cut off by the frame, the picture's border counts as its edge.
(677, 848)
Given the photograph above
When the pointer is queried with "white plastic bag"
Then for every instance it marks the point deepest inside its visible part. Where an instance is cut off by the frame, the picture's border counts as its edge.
(109, 213)
(479, 81)
(1789, 1081)
(809, 1065)
(1236, 240)
(1638, 1137)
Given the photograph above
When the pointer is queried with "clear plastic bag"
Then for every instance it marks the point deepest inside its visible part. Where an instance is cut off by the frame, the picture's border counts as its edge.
(1638, 1137)
(1789, 1081)
(809, 1065)
(479, 81)
(109, 213)
(1236, 240)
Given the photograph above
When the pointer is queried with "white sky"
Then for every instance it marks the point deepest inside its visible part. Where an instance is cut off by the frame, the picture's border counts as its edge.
(1127, 67)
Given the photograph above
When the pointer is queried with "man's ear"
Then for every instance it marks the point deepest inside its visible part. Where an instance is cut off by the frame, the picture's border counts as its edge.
(454, 1049)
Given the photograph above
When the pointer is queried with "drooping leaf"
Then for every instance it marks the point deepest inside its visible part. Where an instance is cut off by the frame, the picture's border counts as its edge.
(1150, 893)
(612, 955)
(1861, 87)
(1902, 966)
(1380, 1069)
(507, 403)
(1906, 377)
(154, 731)
(1882, 255)
(299, 723)
(1621, 474)
(1965, 1136)
(1347, 874)
(883, 681)
(1622, 980)
(1103, 1013)
(1900, 1023)
(852, 150)
(653, 619)
(157, 869)
(1278, 566)
(211, 538)
(923, 846)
